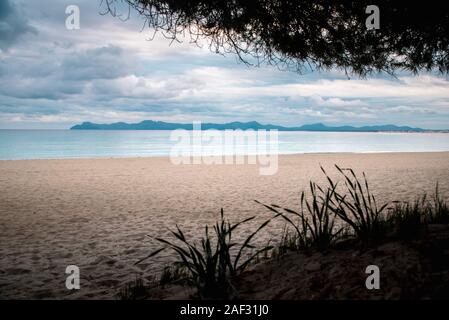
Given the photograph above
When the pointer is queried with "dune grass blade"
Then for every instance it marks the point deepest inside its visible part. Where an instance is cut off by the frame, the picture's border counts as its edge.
(299, 239)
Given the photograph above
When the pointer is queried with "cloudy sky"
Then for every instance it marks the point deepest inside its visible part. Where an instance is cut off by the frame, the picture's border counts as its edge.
(109, 71)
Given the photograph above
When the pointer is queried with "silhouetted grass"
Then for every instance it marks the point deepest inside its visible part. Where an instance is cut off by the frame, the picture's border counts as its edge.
(289, 241)
(358, 207)
(135, 290)
(314, 226)
(408, 219)
(210, 266)
(354, 209)
(174, 273)
(440, 212)
(332, 214)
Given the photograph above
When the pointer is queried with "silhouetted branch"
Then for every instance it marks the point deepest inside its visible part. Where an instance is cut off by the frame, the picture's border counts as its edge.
(319, 33)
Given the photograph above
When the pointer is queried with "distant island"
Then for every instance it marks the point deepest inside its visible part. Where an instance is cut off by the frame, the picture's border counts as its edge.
(160, 125)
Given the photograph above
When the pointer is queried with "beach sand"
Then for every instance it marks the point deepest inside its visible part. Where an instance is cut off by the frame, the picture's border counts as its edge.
(97, 213)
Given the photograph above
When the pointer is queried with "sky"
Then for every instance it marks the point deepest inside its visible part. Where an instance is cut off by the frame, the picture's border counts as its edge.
(111, 70)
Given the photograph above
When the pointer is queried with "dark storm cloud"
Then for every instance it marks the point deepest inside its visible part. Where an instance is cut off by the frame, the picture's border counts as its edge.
(13, 24)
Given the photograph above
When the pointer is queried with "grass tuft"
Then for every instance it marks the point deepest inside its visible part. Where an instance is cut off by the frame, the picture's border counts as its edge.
(408, 219)
(135, 290)
(314, 226)
(440, 212)
(210, 266)
(358, 207)
(174, 273)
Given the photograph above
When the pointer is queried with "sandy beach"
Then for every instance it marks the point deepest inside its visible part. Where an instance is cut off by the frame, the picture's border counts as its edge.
(97, 213)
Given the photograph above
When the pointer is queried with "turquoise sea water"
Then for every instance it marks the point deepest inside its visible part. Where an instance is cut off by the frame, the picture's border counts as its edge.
(54, 144)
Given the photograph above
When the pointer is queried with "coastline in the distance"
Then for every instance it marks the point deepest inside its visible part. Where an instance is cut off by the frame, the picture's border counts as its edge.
(254, 125)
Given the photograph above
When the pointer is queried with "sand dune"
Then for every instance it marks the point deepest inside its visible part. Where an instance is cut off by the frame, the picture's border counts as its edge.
(96, 213)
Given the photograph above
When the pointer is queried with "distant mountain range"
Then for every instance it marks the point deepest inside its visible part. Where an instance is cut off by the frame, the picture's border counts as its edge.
(160, 125)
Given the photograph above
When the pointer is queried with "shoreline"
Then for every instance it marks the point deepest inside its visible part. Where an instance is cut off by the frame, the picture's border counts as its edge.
(206, 155)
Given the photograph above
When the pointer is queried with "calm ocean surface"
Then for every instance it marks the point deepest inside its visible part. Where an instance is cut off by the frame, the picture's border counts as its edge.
(53, 144)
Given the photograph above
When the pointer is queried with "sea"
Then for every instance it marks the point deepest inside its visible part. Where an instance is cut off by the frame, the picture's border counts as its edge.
(63, 144)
